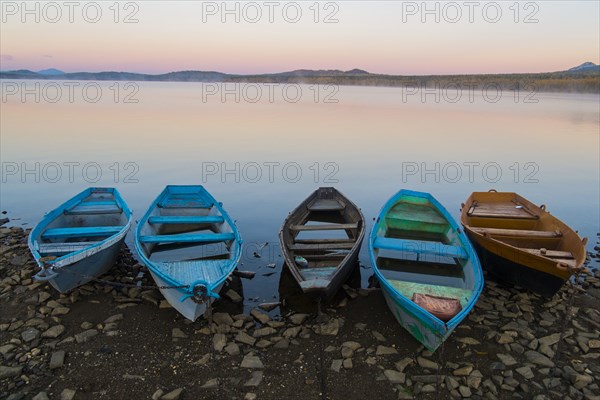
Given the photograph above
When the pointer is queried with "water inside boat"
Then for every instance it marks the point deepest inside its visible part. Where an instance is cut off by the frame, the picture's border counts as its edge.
(419, 252)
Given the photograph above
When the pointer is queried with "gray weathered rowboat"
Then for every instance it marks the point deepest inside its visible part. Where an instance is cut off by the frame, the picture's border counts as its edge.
(80, 240)
(189, 244)
(320, 241)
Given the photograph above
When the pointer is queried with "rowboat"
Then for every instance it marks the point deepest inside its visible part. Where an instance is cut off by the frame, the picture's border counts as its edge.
(429, 272)
(520, 243)
(80, 240)
(190, 246)
(320, 240)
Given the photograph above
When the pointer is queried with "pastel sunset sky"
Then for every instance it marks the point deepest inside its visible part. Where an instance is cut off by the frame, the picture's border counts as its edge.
(378, 36)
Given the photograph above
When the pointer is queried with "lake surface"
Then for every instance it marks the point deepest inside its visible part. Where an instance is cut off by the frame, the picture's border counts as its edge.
(261, 149)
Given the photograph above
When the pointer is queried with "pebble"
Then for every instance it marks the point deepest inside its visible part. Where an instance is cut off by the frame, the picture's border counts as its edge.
(40, 396)
(385, 350)
(539, 359)
(255, 379)
(177, 333)
(244, 338)
(394, 376)
(173, 395)
(260, 316)
(67, 394)
(57, 359)
(85, 335)
(53, 332)
(210, 384)
(219, 341)
(298, 319)
(232, 349)
(9, 372)
(233, 296)
(336, 365)
(252, 362)
(222, 319)
(427, 364)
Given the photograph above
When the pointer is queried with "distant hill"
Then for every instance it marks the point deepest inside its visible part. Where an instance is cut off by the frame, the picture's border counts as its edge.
(51, 71)
(585, 67)
(584, 78)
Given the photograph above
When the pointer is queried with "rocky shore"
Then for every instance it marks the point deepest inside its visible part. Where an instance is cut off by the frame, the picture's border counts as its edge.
(125, 342)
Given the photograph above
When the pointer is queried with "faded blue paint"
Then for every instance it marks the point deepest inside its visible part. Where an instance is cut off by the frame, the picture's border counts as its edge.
(431, 330)
(189, 196)
(92, 260)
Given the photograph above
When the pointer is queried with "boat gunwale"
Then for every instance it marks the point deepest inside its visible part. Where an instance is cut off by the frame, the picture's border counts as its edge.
(423, 315)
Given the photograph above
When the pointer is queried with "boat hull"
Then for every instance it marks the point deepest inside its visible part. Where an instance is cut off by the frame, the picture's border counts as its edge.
(424, 333)
(520, 243)
(86, 270)
(424, 227)
(188, 307)
(507, 271)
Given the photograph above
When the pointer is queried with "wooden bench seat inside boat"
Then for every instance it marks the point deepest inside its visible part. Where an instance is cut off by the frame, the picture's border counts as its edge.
(322, 246)
(325, 205)
(55, 249)
(509, 210)
(191, 219)
(420, 247)
(188, 238)
(187, 272)
(186, 200)
(81, 232)
(518, 232)
(550, 253)
(324, 227)
(94, 207)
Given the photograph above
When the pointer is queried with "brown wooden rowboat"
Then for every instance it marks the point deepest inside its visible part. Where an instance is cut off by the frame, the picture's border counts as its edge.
(520, 243)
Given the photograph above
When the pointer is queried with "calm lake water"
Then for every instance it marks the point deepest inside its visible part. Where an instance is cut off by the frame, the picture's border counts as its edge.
(261, 149)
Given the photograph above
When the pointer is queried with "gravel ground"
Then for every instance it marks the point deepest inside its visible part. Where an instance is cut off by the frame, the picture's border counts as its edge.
(113, 342)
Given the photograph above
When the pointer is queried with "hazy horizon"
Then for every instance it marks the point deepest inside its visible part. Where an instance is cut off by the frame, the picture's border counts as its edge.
(393, 38)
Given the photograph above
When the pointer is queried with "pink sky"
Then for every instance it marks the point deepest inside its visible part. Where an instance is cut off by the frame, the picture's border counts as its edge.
(380, 37)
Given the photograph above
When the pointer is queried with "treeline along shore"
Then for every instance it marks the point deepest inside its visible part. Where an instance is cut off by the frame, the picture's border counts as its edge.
(587, 81)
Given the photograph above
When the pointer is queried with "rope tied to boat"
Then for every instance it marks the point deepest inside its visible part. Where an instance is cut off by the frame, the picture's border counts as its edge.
(200, 292)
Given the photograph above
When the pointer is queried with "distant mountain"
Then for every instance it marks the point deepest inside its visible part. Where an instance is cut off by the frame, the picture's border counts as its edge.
(320, 72)
(584, 78)
(585, 67)
(51, 71)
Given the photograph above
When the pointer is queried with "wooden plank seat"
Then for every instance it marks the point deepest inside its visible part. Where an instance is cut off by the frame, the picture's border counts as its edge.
(325, 205)
(186, 200)
(550, 253)
(324, 227)
(192, 219)
(95, 207)
(323, 241)
(518, 232)
(55, 249)
(324, 246)
(420, 247)
(508, 210)
(81, 232)
(188, 272)
(188, 238)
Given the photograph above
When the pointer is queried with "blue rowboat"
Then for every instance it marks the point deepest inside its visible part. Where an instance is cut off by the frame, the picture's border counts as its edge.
(428, 270)
(190, 245)
(80, 240)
